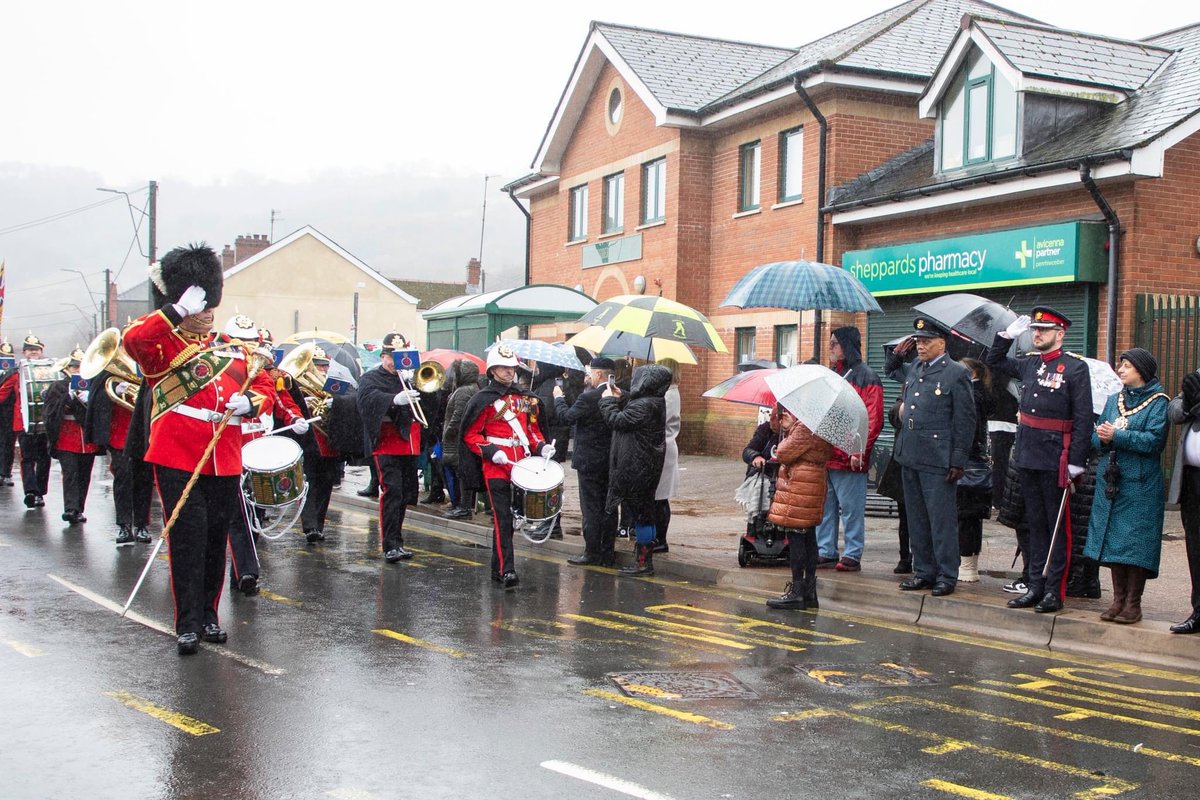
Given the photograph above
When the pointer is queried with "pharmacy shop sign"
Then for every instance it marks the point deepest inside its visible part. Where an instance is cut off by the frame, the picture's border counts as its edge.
(1061, 253)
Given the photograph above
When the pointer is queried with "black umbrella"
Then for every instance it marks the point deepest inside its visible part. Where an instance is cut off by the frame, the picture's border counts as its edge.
(972, 317)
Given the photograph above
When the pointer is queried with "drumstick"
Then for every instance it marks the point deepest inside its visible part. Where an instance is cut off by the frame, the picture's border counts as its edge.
(290, 427)
(546, 459)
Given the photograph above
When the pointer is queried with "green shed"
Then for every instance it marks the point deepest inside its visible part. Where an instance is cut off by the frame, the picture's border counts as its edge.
(471, 322)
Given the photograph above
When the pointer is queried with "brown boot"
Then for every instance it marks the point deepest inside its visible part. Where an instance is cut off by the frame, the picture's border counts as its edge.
(1135, 584)
(1118, 581)
(645, 561)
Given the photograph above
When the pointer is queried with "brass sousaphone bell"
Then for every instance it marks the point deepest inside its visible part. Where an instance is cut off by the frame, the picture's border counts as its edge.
(105, 353)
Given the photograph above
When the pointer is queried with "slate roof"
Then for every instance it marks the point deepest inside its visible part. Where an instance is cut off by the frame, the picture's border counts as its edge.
(1074, 57)
(687, 72)
(430, 293)
(1171, 98)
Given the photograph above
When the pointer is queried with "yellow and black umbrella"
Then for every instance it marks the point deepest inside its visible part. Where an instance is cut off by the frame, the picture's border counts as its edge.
(655, 318)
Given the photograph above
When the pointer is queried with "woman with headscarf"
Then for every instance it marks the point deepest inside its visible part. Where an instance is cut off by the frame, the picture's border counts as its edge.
(1125, 529)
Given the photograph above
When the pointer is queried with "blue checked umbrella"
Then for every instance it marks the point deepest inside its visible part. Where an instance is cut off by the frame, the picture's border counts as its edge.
(541, 352)
(801, 285)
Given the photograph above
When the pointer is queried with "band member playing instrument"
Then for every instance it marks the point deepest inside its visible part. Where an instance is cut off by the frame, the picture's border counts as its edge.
(108, 426)
(35, 451)
(194, 378)
(322, 459)
(386, 402)
(500, 427)
(9, 380)
(65, 410)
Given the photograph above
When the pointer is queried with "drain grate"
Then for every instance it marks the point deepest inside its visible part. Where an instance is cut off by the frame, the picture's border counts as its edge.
(682, 685)
(885, 673)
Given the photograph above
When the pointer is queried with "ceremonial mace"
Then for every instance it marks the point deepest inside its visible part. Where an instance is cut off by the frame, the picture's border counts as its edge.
(258, 359)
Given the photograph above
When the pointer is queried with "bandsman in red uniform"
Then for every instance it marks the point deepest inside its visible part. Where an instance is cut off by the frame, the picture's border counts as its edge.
(194, 377)
(500, 427)
(108, 426)
(8, 437)
(66, 410)
(35, 451)
(394, 436)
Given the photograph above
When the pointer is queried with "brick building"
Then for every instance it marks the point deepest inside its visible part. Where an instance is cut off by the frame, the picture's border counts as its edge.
(966, 148)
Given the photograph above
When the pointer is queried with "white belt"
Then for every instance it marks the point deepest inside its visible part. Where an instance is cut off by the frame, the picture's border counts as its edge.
(204, 414)
(508, 441)
(252, 427)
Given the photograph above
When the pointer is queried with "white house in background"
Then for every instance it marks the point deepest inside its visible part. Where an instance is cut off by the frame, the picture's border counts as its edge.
(307, 281)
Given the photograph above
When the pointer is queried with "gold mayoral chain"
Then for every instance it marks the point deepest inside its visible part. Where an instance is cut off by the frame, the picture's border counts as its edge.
(1122, 421)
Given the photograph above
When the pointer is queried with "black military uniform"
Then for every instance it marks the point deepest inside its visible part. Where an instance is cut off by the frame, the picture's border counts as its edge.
(7, 435)
(1053, 439)
(593, 440)
(937, 426)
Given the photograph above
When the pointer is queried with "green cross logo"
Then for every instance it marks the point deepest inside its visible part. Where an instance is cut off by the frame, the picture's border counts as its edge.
(1023, 254)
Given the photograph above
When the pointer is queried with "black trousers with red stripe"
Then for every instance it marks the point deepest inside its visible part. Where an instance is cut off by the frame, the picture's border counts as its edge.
(500, 493)
(76, 479)
(1042, 499)
(197, 542)
(397, 490)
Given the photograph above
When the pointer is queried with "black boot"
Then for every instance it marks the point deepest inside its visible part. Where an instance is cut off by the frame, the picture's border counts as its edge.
(124, 536)
(810, 568)
(645, 561)
(1084, 580)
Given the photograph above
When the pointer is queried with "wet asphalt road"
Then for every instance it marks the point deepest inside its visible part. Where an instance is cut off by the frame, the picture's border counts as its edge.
(350, 678)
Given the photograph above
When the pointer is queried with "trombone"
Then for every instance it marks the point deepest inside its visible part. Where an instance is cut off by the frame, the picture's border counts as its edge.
(106, 353)
(430, 377)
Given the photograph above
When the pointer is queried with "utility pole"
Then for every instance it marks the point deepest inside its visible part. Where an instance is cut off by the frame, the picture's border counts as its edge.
(152, 206)
(106, 306)
(274, 216)
(483, 219)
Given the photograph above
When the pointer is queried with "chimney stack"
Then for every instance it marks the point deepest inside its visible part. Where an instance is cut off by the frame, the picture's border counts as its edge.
(249, 245)
(227, 259)
(474, 276)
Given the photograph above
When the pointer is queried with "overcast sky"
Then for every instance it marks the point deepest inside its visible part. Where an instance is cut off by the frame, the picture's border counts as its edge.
(374, 122)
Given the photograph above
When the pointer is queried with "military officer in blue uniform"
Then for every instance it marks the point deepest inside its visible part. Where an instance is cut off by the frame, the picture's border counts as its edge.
(1054, 433)
(936, 430)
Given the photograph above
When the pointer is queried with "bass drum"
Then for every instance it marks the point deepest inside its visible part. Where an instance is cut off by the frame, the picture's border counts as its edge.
(537, 491)
(274, 471)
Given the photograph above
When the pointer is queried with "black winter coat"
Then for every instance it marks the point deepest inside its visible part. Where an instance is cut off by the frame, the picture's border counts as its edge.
(553, 428)
(762, 443)
(1012, 504)
(464, 375)
(593, 437)
(639, 441)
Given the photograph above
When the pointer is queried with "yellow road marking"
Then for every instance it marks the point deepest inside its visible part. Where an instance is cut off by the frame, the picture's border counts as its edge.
(962, 791)
(278, 598)
(823, 676)
(752, 629)
(945, 744)
(1085, 693)
(436, 554)
(1037, 701)
(1073, 674)
(1033, 727)
(27, 650)
(651, 691)
(858, 619)
(684, 716)
(437, 648)
(664, 636)
(173, 718)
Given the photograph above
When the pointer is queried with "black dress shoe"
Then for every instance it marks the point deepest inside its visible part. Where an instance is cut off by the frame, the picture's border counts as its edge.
(397, 554)
(38, 501)
(30, 500)
(510, 580)
(584, 560)
(367, 493)
(1027, 600)
(942, 588)
(142, 536)
(313, 536)
(248, 585)
(1049, 604)
(187, 644)
(915, 584)
(124, 536)
(903, 568)
(214, 633)
(1189, 625)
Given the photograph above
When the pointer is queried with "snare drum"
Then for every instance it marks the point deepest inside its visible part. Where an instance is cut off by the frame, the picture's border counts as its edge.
(274, 471)
(537, 485)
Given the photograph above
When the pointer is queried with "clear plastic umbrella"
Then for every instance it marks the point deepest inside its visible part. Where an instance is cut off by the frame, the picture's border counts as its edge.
(542, 352)
(825, 403)
(1105, 383)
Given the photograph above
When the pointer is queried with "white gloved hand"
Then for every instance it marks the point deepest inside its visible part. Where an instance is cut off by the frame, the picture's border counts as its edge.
(407, 374)
(500, 457)
(123, 387)
(1017, 327)
(1074, 472)
(239, 404)
(192, 301)
(548, 451)
(301, 426)
(83, 396)
(407, 397)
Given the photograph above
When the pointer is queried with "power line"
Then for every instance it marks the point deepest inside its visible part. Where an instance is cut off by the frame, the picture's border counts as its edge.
(24, 288)
(55, 217)
(137, 230)
(37, 316)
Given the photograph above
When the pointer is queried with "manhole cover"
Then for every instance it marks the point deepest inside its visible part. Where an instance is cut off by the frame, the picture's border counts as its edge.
(682, 685)
(882, 674)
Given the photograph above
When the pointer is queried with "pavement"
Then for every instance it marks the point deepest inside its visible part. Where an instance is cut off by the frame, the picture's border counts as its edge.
(706, 525)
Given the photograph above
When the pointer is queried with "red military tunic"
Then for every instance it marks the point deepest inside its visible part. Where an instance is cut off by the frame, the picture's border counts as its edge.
(12, 388)
(192, 378)
(391, 443)
(491, 431)
(70, 438)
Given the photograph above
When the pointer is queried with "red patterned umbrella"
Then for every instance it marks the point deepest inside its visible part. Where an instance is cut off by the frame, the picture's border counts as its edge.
(745, 387)
(446, 357)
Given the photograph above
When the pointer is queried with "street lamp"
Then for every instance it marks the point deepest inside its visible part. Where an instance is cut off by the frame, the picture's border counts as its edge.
(84, 314)
(483, 222)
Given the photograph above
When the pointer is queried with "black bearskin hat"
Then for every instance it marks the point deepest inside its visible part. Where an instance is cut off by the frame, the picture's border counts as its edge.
(194, 265)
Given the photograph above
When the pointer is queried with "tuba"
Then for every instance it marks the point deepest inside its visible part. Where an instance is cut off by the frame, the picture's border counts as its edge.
(105, 353)
(299, 366)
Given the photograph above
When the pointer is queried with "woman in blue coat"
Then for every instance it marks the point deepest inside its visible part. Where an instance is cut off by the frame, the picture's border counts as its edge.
(1125, 530)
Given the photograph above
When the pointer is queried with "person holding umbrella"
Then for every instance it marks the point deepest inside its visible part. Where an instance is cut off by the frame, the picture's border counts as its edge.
(937, 425)
(1054, 435)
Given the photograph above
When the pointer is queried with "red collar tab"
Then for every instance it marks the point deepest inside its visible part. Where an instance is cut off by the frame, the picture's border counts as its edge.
(1048, 357)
